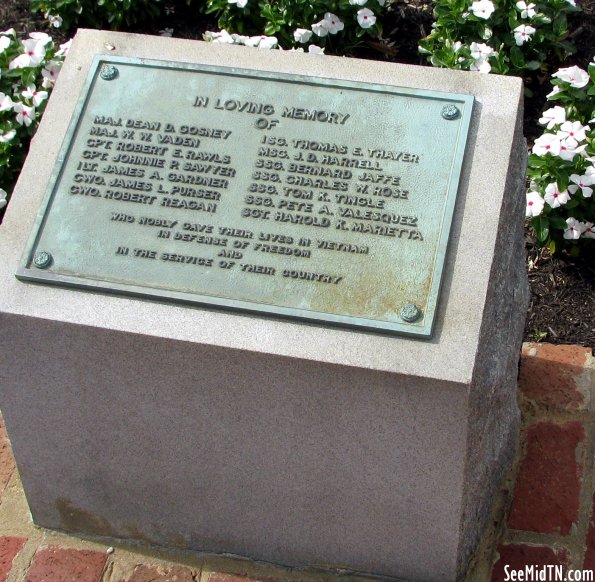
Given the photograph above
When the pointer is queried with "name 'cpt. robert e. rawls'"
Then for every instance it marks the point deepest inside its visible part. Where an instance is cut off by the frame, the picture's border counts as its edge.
(319, 115)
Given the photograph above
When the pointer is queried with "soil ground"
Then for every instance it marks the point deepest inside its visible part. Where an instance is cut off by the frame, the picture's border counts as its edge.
(562, 305)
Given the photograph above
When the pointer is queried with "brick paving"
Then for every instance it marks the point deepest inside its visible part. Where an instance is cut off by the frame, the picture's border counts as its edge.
(549, 501)
(551, 518)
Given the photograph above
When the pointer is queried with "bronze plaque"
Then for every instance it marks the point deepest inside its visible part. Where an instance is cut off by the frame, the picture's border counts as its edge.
(323, 200)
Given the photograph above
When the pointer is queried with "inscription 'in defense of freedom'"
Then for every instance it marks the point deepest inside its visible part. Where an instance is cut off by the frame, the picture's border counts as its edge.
(313, 200)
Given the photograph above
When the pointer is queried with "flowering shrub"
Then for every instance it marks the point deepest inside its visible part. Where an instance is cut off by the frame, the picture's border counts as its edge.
(28, 71)
(560, 199)
(337, 26)
(97, 13)
(502, 36)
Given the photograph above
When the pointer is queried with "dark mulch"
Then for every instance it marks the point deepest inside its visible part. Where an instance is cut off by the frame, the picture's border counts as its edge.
(562, 305)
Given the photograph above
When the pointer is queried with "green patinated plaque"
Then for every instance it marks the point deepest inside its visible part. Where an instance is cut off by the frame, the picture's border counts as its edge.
(318, 199)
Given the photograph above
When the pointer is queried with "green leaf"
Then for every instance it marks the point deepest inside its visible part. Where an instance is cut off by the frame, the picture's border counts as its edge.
(516, 57)
(541, 226)
(557, 222)
(532, 65)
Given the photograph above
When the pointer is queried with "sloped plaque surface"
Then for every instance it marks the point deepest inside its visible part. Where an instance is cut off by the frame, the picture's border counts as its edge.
(317, 199)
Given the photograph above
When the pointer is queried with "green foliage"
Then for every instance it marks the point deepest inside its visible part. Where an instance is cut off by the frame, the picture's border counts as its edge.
(25, 82)
(281, 18)
(499, 35)
(113, 14)
(568, 168)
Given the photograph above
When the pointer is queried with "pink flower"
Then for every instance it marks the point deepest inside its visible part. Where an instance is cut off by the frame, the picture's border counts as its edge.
(37, 97)
(483, 8)
(50, 74)
(535, 204)
(573, 230)
(25, 115)
(522, 34)
(554, 197)
(573, 75)
(548, 143)
(366, 18)
(582, 182)
(587, 229)
(33, 55)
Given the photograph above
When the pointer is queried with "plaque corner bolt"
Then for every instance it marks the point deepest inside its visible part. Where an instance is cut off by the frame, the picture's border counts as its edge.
(42, 260)
(108, 72)
(450, 112)
(410, 313)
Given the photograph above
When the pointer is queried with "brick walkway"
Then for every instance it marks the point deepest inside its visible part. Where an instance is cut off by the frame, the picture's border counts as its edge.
(550, 520)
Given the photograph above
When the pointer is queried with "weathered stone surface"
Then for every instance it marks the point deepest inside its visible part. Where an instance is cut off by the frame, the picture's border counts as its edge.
(272, 439)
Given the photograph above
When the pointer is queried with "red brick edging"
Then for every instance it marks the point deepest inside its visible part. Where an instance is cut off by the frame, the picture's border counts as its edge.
(552, 516)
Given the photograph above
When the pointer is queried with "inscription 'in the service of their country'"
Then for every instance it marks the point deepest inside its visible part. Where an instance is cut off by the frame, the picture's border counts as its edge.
(264, 204)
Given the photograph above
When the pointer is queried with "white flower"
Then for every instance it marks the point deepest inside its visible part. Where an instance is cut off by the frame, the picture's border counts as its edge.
(572, 2)
(268, 42)
(481, 51)
(535, 204)
(527, 10)
(357, 2)
(483, 8)
(55, 21)
(573, 231)
(573, 75)
(9, 32)
(320, 29)
(333, 23)
(554, 197)
(33, 55)
(64, 48)
(41, 37)
(582, 182)
(221, 37)
(36, 96)
(4, 43)
(8, 136)
(554, 91)
(238, 3)
(302, 35)
(522, 34)
(6, 103)
(481, 65)
(547, 143)
(166, 32)
(553, 116)
(3, 196)
(315, 50)
(50, 73)
(574, 130)
(569, 149)
(456, 46)
(25, 115)
(587, 229)
(330, 24)
(366, 18)
(242, 39)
